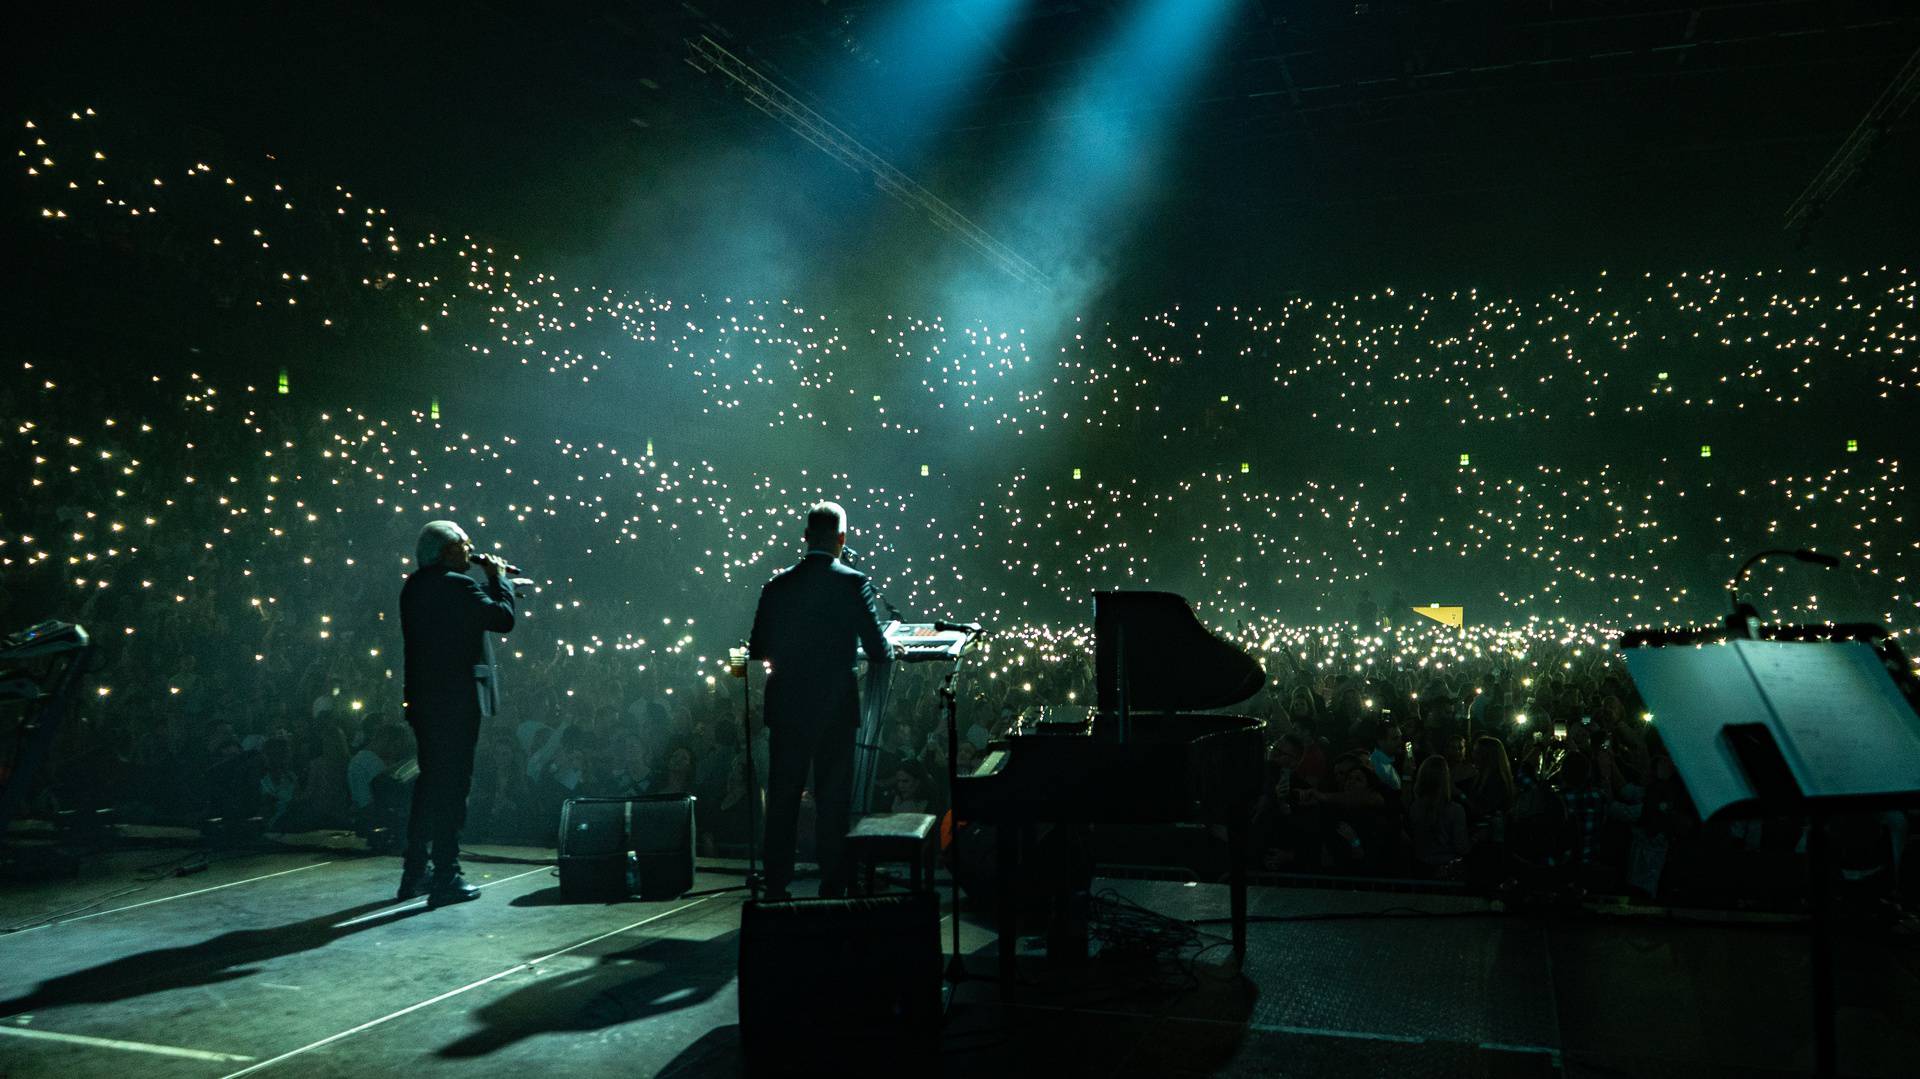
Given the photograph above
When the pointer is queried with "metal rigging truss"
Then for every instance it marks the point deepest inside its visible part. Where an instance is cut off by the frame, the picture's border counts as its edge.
(767, 96)
(1859, 145)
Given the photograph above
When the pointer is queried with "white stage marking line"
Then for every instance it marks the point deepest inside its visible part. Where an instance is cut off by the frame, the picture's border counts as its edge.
(1508, 1047)
(115, 1043)
(411, 1008)
(1269, 1028)
(388, 912)
(1365, 1035)
(165, 899)
(1327, 1032)
(1285, 1028)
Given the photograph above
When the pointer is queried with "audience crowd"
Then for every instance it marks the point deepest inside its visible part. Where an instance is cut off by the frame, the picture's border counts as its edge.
(236, 543)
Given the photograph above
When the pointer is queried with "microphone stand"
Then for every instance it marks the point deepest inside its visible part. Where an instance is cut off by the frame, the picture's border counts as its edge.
(754, 882)
(1744, 621)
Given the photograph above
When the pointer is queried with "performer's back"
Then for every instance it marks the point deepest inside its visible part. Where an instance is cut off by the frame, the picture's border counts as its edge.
(806, 625)
(809, 618)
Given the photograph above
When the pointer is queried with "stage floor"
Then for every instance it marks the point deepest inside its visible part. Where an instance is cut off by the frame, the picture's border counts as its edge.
(299, 963)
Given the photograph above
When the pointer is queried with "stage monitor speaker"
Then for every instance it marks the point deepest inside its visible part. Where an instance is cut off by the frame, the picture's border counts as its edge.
(840, 985)
(662, 834)
(613, 848)
(596, 861)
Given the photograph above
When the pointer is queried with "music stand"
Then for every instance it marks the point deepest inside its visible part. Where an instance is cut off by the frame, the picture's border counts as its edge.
(1804, 719)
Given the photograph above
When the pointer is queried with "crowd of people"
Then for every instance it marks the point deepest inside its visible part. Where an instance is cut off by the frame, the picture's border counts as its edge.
(236, 543)
(1559, 777)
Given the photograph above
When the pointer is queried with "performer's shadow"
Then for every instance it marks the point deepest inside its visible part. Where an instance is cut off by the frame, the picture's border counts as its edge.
(224, 958)
(717, 1052)
(653, 978)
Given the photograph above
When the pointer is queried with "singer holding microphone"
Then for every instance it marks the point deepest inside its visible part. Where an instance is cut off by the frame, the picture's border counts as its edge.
(451, 684)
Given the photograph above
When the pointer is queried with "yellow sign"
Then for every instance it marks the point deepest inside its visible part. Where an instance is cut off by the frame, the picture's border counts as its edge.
(1446, 616)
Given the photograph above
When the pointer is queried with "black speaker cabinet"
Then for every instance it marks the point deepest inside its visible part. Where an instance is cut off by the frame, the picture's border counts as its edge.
(612, 848)
(840, 985)
(663, 839)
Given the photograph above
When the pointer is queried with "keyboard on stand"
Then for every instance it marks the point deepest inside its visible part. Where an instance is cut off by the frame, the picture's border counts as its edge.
(916, 642)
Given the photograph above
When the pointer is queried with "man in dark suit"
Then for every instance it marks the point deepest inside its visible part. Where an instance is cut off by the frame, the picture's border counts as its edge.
(809, 617)
(451, 684)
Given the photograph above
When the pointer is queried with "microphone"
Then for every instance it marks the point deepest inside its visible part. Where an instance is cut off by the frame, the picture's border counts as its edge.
(847, 555)
(1744, 620)
(505, 566)
(969, 628)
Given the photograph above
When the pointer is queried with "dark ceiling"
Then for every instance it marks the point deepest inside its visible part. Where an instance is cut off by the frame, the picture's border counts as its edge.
(1323, 145)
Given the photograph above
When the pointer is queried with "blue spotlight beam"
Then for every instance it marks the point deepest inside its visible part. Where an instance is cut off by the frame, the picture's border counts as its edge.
(1091, 167)
(767, 96)
(921, 57)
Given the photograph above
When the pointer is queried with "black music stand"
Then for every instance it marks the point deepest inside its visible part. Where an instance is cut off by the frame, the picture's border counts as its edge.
(1807, 719)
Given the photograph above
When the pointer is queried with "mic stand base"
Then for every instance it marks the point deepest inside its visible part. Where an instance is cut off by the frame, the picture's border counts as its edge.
(956, 971)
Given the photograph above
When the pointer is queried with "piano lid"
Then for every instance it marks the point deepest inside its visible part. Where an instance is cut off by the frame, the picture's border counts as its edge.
(1174, 664)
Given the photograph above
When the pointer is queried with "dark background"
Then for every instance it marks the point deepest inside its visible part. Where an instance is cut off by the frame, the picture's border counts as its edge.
(1322, 146)
(1325, 151)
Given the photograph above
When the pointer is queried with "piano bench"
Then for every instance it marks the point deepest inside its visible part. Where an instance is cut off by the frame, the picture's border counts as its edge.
(878, 838)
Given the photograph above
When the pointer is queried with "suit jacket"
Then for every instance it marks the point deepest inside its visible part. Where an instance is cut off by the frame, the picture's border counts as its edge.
(808, 619)
(445, 618)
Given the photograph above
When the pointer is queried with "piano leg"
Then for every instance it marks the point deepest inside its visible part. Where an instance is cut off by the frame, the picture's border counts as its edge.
(1237, 888)
(1007, 850)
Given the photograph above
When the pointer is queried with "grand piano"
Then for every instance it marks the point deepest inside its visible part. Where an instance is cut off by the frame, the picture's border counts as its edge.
(1148, 753)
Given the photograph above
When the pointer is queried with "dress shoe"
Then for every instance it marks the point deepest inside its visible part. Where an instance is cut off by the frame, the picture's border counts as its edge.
(450, 890)
(413, 883)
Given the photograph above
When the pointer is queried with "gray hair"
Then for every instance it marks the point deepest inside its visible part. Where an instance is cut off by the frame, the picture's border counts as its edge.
(434, 539)
(825, 520)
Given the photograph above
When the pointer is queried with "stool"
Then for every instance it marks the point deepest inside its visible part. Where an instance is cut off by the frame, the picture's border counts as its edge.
(895, 837)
